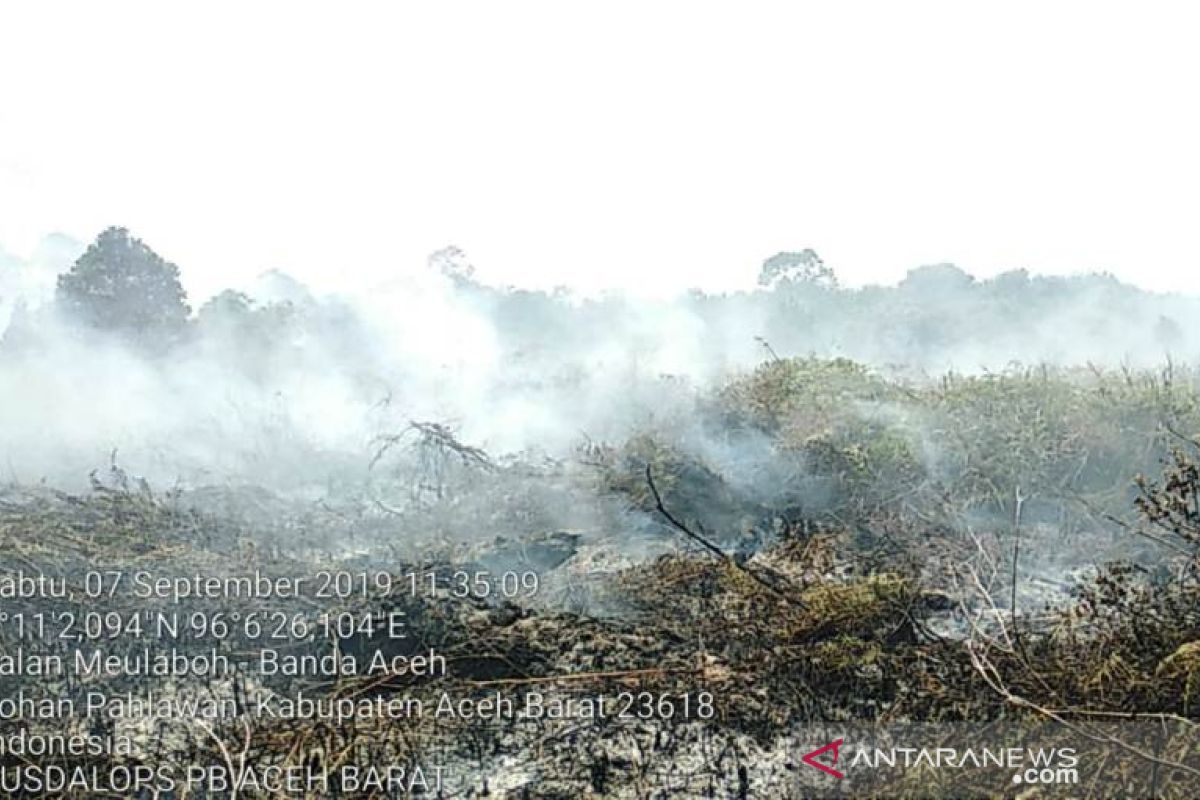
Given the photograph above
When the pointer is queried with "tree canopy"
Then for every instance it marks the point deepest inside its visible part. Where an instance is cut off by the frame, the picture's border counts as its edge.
(804, 267)
(120, 285)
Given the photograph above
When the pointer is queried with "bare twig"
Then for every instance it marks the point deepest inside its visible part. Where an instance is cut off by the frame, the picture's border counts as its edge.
(1019, 501)
(679, 526)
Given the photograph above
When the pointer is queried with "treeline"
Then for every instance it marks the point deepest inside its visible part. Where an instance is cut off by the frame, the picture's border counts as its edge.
(937, 318)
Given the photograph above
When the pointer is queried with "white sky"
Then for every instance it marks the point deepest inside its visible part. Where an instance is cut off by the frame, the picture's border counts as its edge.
(646, 145)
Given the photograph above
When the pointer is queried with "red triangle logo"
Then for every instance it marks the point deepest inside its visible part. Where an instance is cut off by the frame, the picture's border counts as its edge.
(811, 758)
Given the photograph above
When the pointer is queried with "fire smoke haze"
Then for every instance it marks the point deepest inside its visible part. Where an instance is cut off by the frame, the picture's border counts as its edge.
(628, 154)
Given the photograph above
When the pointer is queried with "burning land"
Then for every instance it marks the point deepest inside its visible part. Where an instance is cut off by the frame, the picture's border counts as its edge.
(528, 401)
(697, 661)
(313, 565)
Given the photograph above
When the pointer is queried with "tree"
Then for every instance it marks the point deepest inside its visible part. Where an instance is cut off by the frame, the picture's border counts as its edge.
(937, 277)
(121, 286)
(227, 309)
(453, 263)
(805, 267)
(235, 315)
(259, 340)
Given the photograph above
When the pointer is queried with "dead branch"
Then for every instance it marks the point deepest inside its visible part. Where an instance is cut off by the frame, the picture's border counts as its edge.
(710, 546)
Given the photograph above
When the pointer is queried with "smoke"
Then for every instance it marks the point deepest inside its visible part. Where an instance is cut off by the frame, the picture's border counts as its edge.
(288, 389)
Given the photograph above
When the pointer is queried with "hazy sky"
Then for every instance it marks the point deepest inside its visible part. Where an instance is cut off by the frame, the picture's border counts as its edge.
(647, 145)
